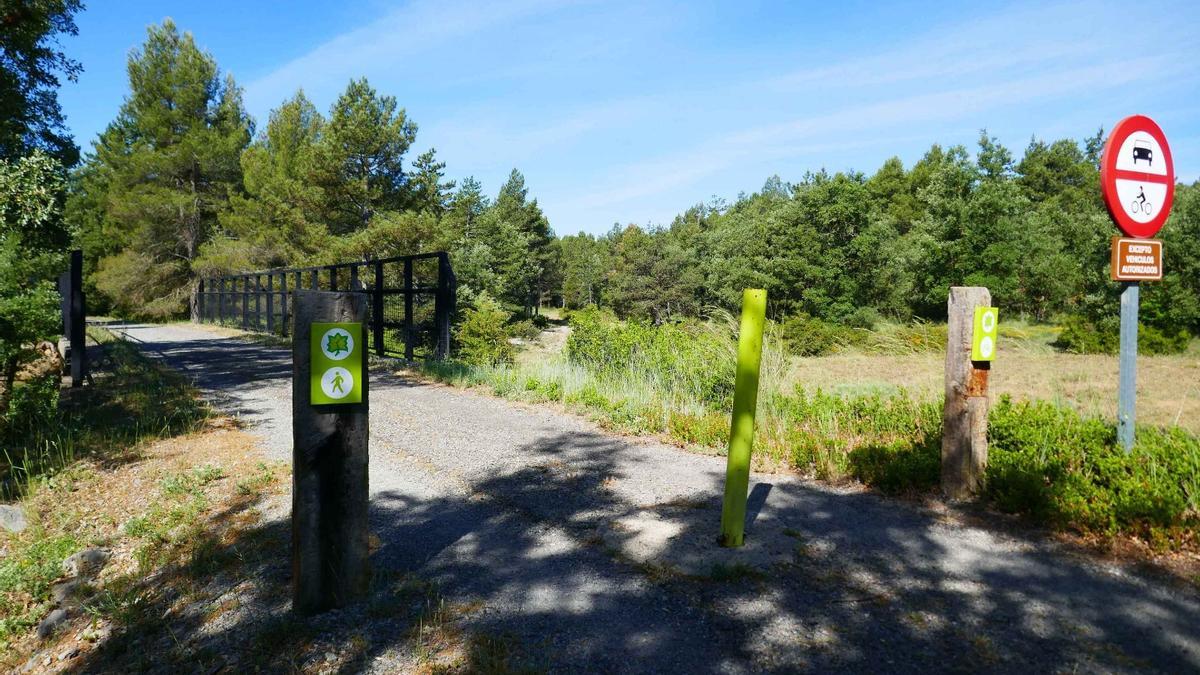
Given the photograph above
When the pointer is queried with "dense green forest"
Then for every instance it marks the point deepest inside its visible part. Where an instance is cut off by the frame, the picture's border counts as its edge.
(180, 185)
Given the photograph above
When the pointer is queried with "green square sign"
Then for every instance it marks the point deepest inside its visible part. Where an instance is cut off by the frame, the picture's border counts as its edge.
(983, 340)
(336, 351)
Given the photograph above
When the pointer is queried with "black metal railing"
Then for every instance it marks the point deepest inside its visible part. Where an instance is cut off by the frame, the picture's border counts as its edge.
(412, 299)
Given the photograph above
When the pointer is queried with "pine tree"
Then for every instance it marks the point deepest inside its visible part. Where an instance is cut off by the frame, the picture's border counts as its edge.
(360, 158)
(30, 115)
(162, 172)
(278, 221)
(429, 192)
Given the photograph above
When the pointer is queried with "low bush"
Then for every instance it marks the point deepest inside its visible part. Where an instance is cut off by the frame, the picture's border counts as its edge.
(483, 334)
(1080, 336)
(1069, 472)
(805, 335)
(523, 329)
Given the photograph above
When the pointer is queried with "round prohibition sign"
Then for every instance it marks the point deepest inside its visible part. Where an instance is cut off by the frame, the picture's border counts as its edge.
(1137, 176)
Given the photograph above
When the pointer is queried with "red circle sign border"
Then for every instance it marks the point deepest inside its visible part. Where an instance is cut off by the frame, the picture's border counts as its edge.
(1108, 176)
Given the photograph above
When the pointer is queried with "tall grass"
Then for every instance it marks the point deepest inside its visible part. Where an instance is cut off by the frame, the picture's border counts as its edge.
(132, 400)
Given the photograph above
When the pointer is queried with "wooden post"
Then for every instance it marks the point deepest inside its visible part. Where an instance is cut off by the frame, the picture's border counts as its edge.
(271, 303)
(965, 415)
(258, 322)
(408, 309)
(377, 309)
(199, 316)
(245, 303)
(443, 307)
(333, 278)
(283, 304)
(221, 301)
(78, 322)
(330, 566)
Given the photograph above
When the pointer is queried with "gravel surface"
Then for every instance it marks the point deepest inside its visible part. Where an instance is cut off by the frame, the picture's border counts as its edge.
(597, 553)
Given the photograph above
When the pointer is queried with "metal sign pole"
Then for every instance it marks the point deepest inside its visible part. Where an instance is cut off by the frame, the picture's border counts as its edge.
(1127, 389)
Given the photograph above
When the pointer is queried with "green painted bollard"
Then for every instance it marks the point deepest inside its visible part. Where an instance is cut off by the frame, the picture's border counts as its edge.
(741, 427)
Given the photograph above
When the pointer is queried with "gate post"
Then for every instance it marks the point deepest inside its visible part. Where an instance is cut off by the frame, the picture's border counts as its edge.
(443, 306)
(77, 325)
(408, 307)
(965, 414)
(246, 302)
(377, 309)
(198, 316)
(330, 565)
(283, 304)
(271, 303)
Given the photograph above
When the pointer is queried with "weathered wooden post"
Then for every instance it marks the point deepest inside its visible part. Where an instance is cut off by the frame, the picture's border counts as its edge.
(330, 566)
(964, 417)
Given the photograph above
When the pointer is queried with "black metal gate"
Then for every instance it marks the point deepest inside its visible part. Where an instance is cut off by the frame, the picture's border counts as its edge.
(412, 299)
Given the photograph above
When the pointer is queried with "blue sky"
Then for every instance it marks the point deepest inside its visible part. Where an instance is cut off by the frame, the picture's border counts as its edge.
(630, 112)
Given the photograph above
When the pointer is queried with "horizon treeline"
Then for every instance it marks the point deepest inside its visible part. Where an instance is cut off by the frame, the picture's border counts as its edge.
(180, 185)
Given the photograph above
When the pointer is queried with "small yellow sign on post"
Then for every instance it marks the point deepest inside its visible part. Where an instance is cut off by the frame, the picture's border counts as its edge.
(983, 340)
(337, 360)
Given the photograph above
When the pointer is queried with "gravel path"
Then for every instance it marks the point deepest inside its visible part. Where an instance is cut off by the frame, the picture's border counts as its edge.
(597, 553)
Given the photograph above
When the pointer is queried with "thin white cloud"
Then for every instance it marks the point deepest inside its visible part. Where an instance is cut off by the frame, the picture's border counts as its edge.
(417, 30)
(1016, 37)
(659, 175)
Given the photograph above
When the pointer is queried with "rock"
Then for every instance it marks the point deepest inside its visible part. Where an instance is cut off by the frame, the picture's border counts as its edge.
(63, 590)
(53, 621)
(69, 653)
(85, 564)
(12, 517)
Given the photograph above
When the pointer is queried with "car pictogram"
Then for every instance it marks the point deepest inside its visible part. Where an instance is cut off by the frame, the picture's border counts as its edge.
(1141, 150)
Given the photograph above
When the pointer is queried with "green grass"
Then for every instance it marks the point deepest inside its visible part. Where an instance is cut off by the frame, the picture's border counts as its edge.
(133, 400)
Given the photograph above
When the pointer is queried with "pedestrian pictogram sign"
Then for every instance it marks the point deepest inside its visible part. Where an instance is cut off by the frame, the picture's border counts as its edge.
(1136, 259)
(983, 340)
(1137, 176)
(337, 356)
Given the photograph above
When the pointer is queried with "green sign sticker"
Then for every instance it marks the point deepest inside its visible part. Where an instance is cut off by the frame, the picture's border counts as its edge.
(336, 359)
(983, 341)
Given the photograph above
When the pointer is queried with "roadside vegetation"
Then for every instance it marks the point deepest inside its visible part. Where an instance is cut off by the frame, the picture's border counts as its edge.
(1047, 461)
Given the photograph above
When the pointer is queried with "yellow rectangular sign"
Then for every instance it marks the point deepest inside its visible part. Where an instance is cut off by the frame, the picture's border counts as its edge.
(336, 351)
(983, 338)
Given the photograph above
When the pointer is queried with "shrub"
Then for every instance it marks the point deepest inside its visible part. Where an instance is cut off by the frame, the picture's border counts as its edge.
(805, 335)
(483, 334)
(1080, 336)
(1068, 471)
(523, 329)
